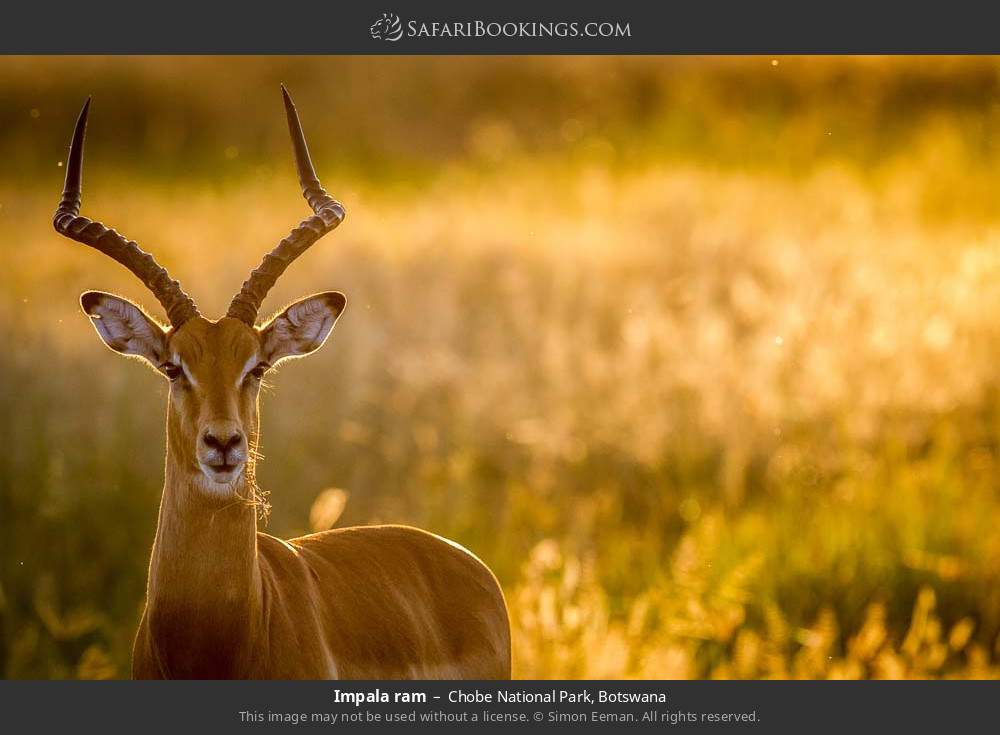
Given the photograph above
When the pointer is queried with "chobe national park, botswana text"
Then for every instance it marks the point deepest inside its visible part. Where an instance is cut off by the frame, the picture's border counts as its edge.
(505, 696)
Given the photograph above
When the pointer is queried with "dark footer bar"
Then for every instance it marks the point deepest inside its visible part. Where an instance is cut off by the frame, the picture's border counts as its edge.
(771, 707)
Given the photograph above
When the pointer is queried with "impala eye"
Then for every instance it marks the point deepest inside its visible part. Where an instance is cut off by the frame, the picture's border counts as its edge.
(171, 371)
(258, 372)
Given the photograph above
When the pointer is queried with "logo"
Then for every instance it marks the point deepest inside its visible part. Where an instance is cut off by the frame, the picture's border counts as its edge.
(387, 28)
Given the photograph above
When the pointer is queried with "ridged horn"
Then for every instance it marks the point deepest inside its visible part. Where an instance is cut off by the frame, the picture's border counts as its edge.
(328, 213)
(68, 221)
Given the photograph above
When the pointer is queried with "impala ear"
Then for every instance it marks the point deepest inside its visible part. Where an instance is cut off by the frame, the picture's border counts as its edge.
(124, 327)
(302, 328)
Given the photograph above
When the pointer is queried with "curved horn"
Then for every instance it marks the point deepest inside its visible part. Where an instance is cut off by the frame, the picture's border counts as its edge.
(67, 221)
(328, 214)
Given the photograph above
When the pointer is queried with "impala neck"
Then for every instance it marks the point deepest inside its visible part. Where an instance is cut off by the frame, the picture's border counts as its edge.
(204, 593)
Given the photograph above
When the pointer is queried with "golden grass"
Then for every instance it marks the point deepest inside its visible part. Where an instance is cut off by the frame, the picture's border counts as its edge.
(704, 417)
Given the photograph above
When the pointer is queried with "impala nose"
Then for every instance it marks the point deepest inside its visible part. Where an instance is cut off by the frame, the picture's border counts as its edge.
(222, 441)
(223, 446)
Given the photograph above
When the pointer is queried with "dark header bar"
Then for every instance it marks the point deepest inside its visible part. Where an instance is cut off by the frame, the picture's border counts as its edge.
(512, 27)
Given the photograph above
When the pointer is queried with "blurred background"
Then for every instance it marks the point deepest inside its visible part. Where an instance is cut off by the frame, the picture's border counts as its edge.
(699, 355)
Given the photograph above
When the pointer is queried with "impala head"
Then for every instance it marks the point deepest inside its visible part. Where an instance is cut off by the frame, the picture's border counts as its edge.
(215, 368)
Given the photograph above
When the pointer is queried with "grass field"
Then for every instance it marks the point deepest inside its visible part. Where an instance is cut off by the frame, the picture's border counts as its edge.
(699, 355)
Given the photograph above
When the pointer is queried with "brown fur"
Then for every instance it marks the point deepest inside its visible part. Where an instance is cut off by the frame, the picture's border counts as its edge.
(226, 601)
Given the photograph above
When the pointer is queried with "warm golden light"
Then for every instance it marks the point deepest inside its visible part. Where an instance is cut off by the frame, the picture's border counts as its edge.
(699, 355)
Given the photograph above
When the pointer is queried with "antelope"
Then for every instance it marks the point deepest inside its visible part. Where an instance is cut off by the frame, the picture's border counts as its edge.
(224, 600)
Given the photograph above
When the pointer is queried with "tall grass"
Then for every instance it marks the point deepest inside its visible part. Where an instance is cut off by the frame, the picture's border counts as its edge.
(699, 356)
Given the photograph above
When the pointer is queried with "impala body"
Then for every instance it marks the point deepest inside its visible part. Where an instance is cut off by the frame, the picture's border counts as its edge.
(223, 599)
